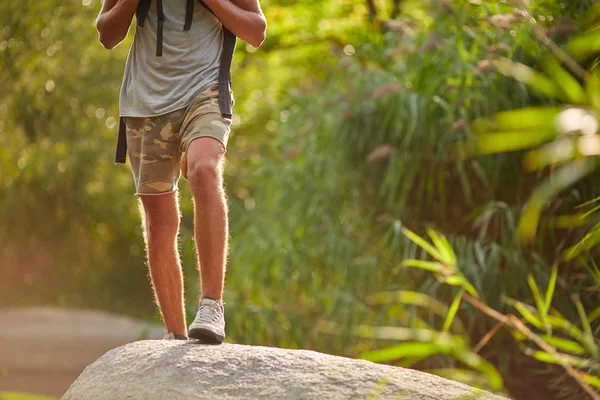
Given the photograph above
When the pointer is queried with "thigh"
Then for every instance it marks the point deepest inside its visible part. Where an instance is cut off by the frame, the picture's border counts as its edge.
(204, 133)
(153, 148)
(203, 119)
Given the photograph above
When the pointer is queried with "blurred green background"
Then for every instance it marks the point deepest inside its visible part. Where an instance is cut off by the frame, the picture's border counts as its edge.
(354, 120)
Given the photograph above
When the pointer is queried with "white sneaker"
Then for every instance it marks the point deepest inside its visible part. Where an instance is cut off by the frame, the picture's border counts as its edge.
(209, 324)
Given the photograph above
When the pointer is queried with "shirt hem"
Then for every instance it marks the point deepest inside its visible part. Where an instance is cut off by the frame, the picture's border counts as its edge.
(169, 111)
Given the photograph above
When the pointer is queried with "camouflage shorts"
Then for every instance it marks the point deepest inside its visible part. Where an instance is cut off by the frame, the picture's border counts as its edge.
(156, 144)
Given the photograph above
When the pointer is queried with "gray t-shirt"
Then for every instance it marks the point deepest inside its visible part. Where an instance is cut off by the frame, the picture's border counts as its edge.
(189, 64)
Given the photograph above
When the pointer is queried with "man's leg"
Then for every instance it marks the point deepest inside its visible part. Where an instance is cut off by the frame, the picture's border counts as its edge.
(205, 157)
(161, 224)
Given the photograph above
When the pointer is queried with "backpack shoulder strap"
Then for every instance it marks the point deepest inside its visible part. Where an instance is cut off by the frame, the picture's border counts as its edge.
(203, 4)
(160, 27)
(142, 11)
(229, 41)
(189, 14)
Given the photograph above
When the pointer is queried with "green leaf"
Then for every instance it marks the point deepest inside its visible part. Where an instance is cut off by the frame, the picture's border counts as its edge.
(589, 241)
(464, 376)
(573, 91)
(550, 290)
(562, 178)
(409, 297)
(401, 333)
(459, 280)
(526, 119)
(563, 344)
(561, 359)
(426, 265)
(583, 46)
(594, 315)
(562, 324)
(592, 380)
(419, 241)
(529, 316)
(443, 247)
(403, 350)
(587, 328)
(593, 89)
(535, 80)
(480, 364)
(541, 306)
(554, 154)
(501, 142)
(23, 396)
(452, 311)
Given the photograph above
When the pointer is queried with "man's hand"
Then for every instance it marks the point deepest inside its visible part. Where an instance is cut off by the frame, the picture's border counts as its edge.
(244, 18)
(114, 21)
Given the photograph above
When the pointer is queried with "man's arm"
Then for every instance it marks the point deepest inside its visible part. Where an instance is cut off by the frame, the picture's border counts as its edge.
(244, 18)
(114, 20)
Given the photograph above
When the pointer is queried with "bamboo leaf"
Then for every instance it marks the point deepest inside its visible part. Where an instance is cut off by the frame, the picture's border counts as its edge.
(561, 359)
(587, 328)
(594, 315)
(452, 311)
(422, 243)
(560, 180)
(529, 316)
(444, 249)
(592, 380)
(550, 290)
(480, 364)
(563, 344)
(501, 142)
(525, 119)
(560, 323)
(541, 306)
(453, 259)
(459, 280)
(535, 80)
(585, 45)
(403, 350)
(590, 240)
(432, 266)
(409, 297)
(554, 153)
(593, 89)
(573, 91)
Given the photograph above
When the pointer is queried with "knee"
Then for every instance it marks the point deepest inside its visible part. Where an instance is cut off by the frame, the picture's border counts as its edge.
(160, 219)
(204, 175)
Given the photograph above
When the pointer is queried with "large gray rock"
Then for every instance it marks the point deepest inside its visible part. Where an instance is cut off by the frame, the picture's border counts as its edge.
(187, 370)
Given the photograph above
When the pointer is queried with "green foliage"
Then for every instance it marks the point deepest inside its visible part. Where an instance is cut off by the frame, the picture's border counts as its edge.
(559, 342)
(23, 396)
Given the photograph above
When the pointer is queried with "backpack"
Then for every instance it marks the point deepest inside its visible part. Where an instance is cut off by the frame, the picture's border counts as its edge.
(229, 41)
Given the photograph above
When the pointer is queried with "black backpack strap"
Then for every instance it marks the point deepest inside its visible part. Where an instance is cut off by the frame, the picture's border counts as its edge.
(205, 6)
(160, 26)
(121, 155)
(189, 14)
(142, 11)
(229, 41)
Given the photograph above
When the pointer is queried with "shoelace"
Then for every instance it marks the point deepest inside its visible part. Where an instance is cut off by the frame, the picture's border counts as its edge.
(209, 314)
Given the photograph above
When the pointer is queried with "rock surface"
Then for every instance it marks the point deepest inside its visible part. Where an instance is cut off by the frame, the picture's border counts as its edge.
(175, 370)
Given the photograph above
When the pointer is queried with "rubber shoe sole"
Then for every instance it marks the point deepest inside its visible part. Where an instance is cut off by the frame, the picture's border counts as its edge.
(205, 336)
